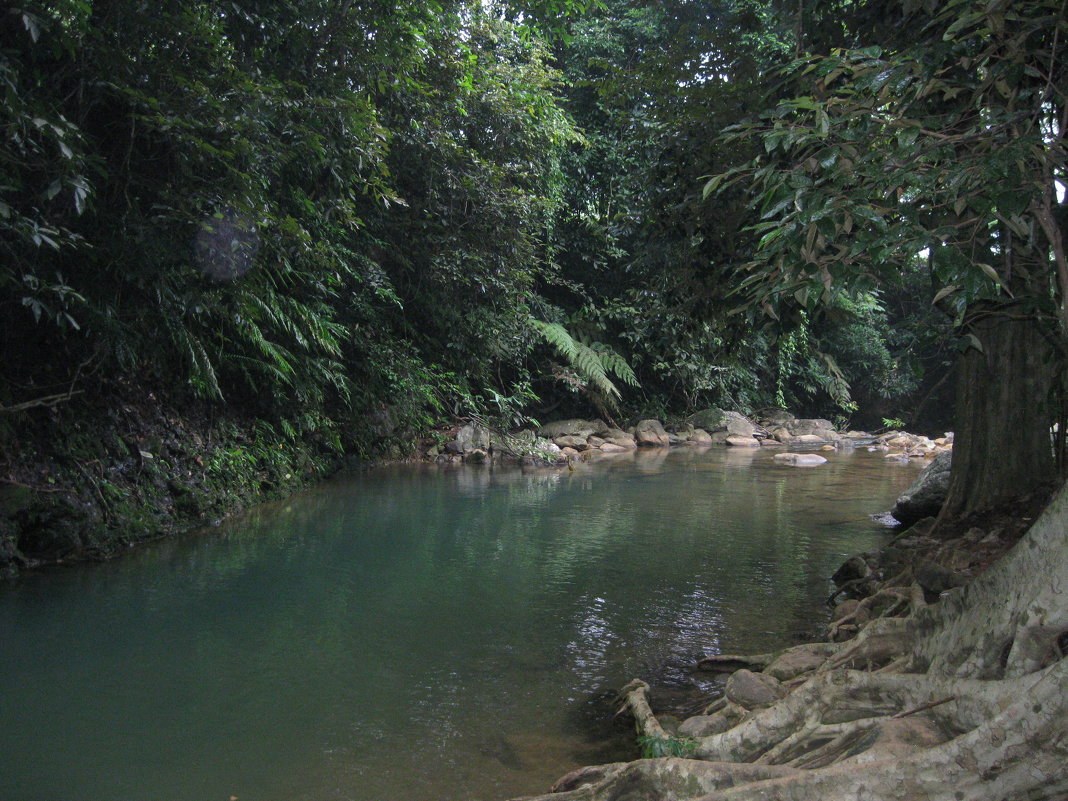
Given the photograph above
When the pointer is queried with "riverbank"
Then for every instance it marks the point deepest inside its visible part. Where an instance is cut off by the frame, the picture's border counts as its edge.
(930, 679)
(129, 468)
(89, 479)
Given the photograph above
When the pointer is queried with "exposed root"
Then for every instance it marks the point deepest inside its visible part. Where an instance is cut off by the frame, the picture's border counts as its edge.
(889, 601)
(966, 698)
(635, 697)
(663, 779)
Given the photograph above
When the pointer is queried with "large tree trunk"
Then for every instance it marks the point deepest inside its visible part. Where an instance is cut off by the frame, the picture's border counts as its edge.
(1002, 447)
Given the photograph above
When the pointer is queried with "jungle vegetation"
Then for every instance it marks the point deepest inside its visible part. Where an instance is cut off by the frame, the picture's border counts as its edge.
(355, 220)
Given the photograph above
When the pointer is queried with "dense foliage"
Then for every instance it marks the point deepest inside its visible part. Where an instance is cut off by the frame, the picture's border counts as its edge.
(363, 218)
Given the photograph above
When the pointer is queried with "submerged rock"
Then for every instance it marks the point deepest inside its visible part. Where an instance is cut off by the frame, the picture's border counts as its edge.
(800, 459)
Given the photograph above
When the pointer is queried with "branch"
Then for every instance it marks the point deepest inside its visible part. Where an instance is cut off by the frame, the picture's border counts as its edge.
(46, 401)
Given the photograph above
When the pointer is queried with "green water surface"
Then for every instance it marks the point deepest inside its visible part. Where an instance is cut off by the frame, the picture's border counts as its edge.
(415, 633)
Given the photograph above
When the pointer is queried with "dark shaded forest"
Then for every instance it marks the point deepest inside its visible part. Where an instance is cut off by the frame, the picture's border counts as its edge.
(341, 225)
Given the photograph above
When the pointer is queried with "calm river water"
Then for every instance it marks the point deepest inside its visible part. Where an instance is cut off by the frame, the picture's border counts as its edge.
(414, 633)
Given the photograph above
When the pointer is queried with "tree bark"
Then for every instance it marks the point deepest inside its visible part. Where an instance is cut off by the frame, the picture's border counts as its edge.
(1002, 447)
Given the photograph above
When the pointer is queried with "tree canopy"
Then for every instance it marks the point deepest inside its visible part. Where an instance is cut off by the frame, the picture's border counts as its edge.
(332, 214)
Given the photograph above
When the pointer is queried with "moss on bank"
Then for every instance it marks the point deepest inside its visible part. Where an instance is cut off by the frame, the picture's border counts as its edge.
(86, 480)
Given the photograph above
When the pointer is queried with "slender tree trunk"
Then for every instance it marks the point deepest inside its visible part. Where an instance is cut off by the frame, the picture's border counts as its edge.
(1002, 447)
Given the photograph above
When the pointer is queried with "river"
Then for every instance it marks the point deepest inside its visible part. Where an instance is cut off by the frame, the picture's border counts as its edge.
(415, 633)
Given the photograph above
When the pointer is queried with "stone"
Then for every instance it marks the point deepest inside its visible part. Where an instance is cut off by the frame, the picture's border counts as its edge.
(810, 426)
(751, 690)
(936, 579)
(476, 456)
(572, 428)
(853, 568)
(473, 437)
(651, 433)
(571, 441)
(739, 441)
(700, 437)
(453, 446)
(611, 447)
(709, 419)
(704, 725)
(927, 493)
(772, 418)
(595, 442)
(792, 662)
(800, 459)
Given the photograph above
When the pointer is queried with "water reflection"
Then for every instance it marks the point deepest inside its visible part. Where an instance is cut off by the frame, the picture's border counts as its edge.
(414, 633)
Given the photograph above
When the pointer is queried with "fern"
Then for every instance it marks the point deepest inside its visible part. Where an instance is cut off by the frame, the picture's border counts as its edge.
(592, 362)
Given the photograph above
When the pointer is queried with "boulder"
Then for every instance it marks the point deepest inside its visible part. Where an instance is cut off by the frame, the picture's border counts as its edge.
(473, 437)
(713, 420)
(739, 441)
(927, 493)
(570, 441)
(475, 456)
(700, 437)
(772, 418)
(751, 690)
(619, 437)
(799, 459)
(651, 433)
(611, 447)
(704, 725)
(811, 426)
(572, 428)
(792, 662)
(708, 419)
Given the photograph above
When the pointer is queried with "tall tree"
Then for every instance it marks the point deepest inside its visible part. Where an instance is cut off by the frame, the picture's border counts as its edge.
(950, 142)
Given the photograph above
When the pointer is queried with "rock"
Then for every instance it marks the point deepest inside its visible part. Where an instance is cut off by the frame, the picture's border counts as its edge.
(651, 433)
(800, 459)
(845, 609)
(828, 448)
(927, 494)
(570, 453)
(937, 579)
(815, 426)
(709, 419)
(855, 567)
(595, 442)
(751, 690)
(619, 437)
(773, 418)
(739, 441)
(792, 662)
(611, 447)
(812, 439)
(475, 456)
(704, 725)
(454, 446)
(473, 437)
(572, 441)
(700, 437)
(713, 420)
(572, 428)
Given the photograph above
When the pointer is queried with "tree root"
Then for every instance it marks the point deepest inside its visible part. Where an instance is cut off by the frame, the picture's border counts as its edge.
(901, 602)
(966, 698)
